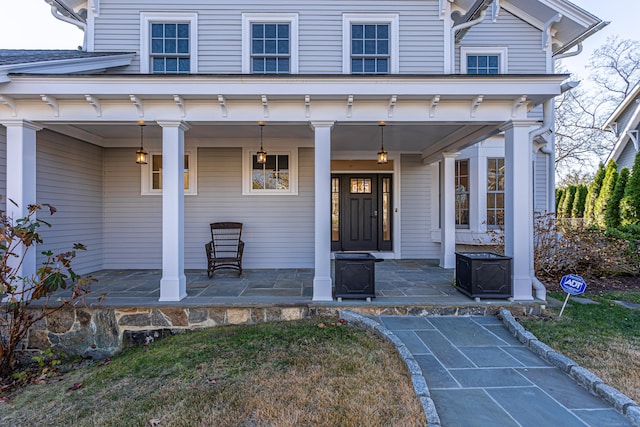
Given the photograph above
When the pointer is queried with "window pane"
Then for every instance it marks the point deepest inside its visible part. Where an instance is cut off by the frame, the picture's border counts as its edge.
(356, 66)
(271, 163)
(283, 31)
(185, 65)
(383, 31)
(170, 46)
(157, 45)
(283, 162)
(357, 47)
(283, 46)
(270, 66)
(257, 31)
(183, 46)
(383, 47)
(472, 61)
(269, 46)
(493, 61)
(369, 65)
(482, 61)
(257, 46)
(283, 65)
(258, 65)
(270, 31)
(370, 47)
(357, 31)
(383, 66)
(183, 31)
(370, 31)
(171, 65)
(157, 30)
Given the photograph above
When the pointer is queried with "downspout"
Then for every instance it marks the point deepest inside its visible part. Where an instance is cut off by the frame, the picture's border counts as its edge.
(547, 148)
(578, 51)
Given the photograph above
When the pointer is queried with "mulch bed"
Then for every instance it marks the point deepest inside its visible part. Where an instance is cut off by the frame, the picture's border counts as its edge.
(600, 284)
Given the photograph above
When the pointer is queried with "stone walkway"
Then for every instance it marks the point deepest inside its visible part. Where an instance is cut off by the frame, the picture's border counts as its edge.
(479, 374)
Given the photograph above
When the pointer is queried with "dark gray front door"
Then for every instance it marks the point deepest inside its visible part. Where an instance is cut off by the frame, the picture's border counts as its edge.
(360, 228)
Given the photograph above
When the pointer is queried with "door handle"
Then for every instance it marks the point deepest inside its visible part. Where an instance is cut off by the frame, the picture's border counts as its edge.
(375, 214)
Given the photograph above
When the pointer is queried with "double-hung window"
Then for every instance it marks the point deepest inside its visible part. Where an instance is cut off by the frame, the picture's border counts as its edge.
(168, 43)
(270, 48)
(483, 60)
(152, 174)
(370, 43)
(495, 192)
(278, 175)
(270, 43)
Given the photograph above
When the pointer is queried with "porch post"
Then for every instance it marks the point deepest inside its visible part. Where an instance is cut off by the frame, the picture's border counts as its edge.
(322, 280)
(173, 285)
(448, 211)
(518, 205)
(21, 182)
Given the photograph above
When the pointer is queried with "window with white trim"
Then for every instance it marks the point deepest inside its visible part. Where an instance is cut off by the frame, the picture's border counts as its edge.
(483, 60)
(370, 43)
(168, 43)
(495, 192)
(462, 193)
(152, 174)
(270, 43)
(277, 176)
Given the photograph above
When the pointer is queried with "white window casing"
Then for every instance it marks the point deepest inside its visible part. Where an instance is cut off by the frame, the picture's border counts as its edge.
(250, 18)
(146, 18)
(501, 52)
(392, 19)
(146, 175)
(247, 172)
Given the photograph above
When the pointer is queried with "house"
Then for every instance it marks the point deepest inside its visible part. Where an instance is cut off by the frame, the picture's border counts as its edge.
(625, 123)
(456, 94)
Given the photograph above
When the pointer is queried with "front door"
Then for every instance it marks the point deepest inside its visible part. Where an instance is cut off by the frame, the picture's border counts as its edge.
(360, 212)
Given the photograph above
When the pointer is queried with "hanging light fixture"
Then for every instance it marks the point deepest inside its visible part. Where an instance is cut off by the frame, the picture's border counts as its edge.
(142, 156)
(261, 155)
(382, 154)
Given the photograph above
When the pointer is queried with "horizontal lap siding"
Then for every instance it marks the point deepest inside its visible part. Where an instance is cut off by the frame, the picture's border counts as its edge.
(416, 210)
(69, 177)
(541, 182)
(627, 157)
(320, 31)
(524, 43)
(278, 230)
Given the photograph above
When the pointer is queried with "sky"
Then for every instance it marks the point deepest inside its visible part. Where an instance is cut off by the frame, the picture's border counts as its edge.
(28, 24)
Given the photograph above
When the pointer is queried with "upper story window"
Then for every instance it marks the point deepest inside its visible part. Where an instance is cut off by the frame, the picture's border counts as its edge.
(370, 43)
(483, 60)
(168, 43)
(495, 192)
(152, 174)
(270, 50)
(370, 48)
(462, 193)
(270, 43)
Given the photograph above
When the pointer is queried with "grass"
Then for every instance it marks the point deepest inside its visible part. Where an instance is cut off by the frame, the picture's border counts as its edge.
(604, 338)
(275, 374)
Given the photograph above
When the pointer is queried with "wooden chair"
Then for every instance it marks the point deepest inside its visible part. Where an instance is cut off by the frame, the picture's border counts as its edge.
(225, 248)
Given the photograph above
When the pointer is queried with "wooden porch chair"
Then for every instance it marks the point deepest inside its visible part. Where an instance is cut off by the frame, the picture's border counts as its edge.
(225, 248)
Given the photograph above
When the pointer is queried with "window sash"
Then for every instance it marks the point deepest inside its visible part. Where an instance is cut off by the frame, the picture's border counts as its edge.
(370, 48)
(495, 192)
(270, 48)
(483, 64)
(462, 193)
(169, 49)
(272, 175)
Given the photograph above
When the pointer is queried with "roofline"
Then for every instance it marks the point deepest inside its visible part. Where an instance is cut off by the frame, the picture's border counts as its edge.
(588, 33)
(635, 92)
(69, 65)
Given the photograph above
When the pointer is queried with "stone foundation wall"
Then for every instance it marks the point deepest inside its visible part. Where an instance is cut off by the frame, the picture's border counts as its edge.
(100, 332)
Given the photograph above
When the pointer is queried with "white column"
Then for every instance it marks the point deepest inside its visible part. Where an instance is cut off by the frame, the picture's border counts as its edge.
(518, 206)
(173, 285)
(448, 211)
(322, 280)
(21, 182)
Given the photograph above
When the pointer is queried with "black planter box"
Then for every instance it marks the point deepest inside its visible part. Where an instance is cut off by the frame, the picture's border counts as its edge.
(484, 275)
(355, 275)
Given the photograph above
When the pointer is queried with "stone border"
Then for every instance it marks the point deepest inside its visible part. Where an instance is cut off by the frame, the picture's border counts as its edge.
(419, 383)
(623, 404)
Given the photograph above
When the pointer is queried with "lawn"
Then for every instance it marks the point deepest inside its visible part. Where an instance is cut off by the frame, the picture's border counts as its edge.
(276, 374)
(604, 338)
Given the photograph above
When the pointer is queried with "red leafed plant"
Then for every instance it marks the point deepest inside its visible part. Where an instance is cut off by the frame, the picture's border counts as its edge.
(17, 292)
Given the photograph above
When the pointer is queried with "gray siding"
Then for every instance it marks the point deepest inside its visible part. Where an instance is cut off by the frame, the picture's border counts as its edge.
(278, 230)
(415, 191)
(320, 31)
(69, 177)
(525, 54)
(3, 167)
(627, 157)
(541, 182)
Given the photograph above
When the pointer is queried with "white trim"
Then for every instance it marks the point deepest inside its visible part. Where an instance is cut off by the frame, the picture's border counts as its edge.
(146, 18)
(247, 168)
(393, 19)
(484, 50)
(249, 18)
(146, 175)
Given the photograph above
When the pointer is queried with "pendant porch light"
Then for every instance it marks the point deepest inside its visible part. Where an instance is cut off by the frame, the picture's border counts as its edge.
(142, 157)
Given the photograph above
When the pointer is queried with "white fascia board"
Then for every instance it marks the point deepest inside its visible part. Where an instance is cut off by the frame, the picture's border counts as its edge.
(623, 105)
(71, 66)
(325, 87)
(624, 138)
(568, 11)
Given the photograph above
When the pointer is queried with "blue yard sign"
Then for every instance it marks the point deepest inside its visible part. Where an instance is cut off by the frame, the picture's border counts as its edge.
(572, 284)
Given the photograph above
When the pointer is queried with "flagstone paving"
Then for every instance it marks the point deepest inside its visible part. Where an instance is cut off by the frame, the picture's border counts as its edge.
(478, 374)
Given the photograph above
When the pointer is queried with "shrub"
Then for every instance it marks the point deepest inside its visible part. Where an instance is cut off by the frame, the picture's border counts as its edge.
(567, 202)
(592, 195)
(630, 203)
(559, 196)
(606, 192)
(612, 216)
(579, 201)
(17, 237)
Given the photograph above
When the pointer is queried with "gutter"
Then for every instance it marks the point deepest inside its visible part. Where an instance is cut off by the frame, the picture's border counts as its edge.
(578, 40)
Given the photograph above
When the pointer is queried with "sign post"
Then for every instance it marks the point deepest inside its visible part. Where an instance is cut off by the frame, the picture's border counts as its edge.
(572, 284)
